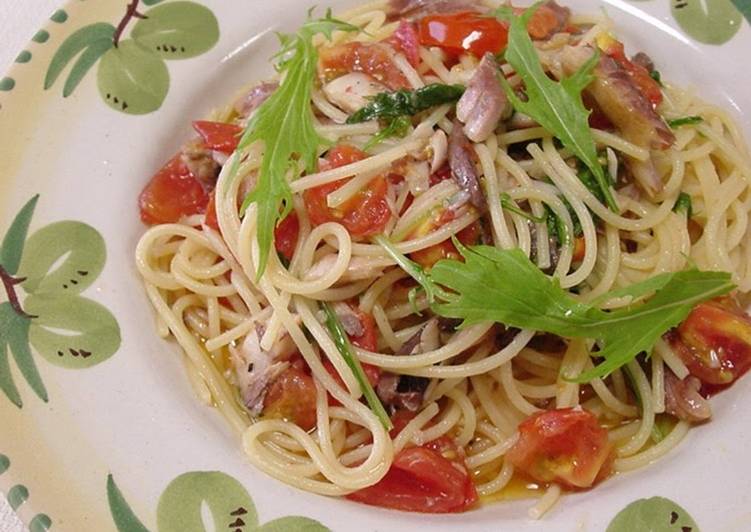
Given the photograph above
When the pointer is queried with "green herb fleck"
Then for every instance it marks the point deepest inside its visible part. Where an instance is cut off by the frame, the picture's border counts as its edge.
(510, 205)
(685, 121)
(684, 205)
(397, 127)
(407, 103)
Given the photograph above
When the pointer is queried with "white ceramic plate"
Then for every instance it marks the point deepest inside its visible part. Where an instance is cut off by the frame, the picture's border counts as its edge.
(99, 428)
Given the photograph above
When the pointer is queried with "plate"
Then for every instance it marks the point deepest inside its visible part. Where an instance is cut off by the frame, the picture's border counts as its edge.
(100, 427)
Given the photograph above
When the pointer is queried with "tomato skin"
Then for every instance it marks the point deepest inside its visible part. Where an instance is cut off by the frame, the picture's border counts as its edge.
(172, 193)
(292, 396)
(218, 136)
(286, 234)
(372, 59)
(211, 219)
(429, 479)
(566, 446)
(427, 257)
(365, 214)
(457, 33)
(714, 342)
(406, 40)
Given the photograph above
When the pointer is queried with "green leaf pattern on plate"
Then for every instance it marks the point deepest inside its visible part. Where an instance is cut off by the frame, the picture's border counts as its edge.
(656, 514)
(707, 21)
(183, 504)
(54, 265)
(132, 76)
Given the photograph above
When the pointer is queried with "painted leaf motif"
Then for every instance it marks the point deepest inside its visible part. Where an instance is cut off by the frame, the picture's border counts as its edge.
(6, 379)
(12, 247)
(132, 79)
(293, 524)
(16, 331)
(75, 249)
(124, 518)
(151, 2)
(71, 331)
(707, 21)
(228, 502)
(93, 37)
(656, 514)
(744, 6)
(177, 30)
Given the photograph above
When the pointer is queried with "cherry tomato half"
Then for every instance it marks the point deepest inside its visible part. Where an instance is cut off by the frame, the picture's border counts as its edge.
(173, 192)
(218, 136)
(372, 59)
(457, 33)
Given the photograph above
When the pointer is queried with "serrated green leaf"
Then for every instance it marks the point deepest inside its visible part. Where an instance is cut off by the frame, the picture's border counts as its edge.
(177, 30)
(180, 505)
(293, 524)
(71, 331)
(91, 35)
(81, 249)
(506, 287)
(87, 59)
(656, 514)
(122, 514)
(284, 124)
(12, 247)
(556, 106)
(7, 318)
(17, 333)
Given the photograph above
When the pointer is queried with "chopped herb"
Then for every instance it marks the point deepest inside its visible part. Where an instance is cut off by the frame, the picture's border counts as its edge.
(510, 205)
(284, 124)
(556, 106)
(655, 75)
(345, 349)
(397, 127)
(407, 103)
(685, 121)
(684, 204)
(557, 227)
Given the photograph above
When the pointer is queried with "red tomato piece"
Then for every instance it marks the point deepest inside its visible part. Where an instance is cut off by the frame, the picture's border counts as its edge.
(545, 22)
(457, 33)
(372, 59)
(292, 397)
(638, 74)
(211, 219)
(399, 420)
(715, 343)
(365, 214)
(286, 234)
(406, 40)
(429, 479)
(218, 136)
(427, 257)
(173, 192)
(567, 446)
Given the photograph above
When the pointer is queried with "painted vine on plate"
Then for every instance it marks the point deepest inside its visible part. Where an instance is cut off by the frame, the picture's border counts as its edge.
(52, 267)
(181, 507)
(132, 75)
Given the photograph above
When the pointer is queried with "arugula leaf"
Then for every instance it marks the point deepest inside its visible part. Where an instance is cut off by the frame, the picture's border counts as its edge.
(345, 349)
(414, 270)
(506, 287)
(556, 106)
(397, 127)
(407, 103)
(284, 123)
(685, 121)
(684, 204)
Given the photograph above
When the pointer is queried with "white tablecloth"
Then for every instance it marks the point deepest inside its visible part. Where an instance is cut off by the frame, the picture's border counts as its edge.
(19, 20)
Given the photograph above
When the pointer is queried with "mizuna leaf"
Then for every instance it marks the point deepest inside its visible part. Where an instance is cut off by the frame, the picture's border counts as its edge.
(506, 287)
(556, 106)
(80, 246)
(284, 124)
(12, 247)
(181, 504)
(75, 44)
(122, 514)
(71, 331)
(7, 318)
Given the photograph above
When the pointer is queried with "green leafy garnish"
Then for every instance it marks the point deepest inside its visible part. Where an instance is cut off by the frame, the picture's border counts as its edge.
(397, 127)
(655, 75)
(685, 121)
(506, 287)
(684, 204)
(345, 349)
(284, 123)
(556, 106)
(510, 205)
(407, 103)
